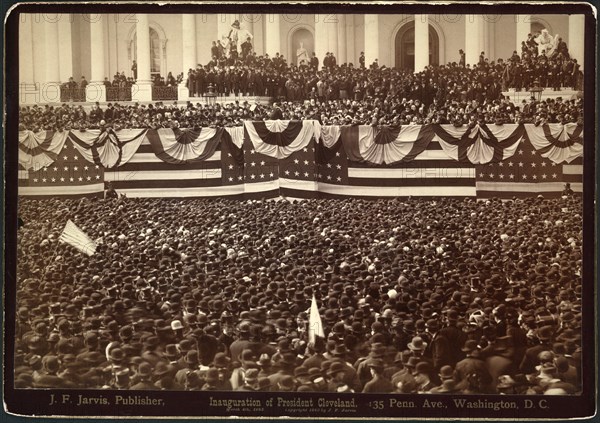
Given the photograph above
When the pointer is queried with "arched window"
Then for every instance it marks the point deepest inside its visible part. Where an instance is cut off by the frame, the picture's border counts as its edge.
(405, 46)
(156, 53)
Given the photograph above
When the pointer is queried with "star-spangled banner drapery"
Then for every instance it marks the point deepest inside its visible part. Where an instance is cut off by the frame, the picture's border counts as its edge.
(431, 173)
(348, 160)
(527, 173)
(69, 176)
(37, 150)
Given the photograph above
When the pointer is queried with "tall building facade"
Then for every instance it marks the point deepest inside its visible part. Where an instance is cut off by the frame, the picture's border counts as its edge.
(54, 47)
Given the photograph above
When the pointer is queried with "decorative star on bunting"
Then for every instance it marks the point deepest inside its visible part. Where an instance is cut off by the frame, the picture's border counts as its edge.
(66, 172)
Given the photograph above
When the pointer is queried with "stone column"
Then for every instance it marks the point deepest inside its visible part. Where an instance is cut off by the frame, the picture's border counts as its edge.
(96, 91)
(576, 41)
(321, 41)
(65, 51)
(523, 29)
(371, 39)
(189, 49)
(50, 87)
(332, 35)
(421, 42)
(272, 34)
(188, 28)
(473, 38)
(342, 56)
(351, 54)
(27, 89)
(247, 23)
(142, 89)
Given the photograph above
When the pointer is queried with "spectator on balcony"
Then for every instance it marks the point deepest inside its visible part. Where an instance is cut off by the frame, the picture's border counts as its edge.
(314, 62)
(246, 48)
(220, 50)
(562, 48)
(214, 50)
(134, 70)
(83, 83)
(462, 60)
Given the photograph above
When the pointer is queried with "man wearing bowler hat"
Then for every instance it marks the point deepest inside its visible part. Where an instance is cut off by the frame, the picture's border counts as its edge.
(378, 383)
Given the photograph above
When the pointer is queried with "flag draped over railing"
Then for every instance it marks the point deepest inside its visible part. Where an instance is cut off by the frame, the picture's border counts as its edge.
(296, 159)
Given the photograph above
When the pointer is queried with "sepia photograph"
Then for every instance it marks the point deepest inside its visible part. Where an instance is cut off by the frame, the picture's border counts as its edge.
(300, 211)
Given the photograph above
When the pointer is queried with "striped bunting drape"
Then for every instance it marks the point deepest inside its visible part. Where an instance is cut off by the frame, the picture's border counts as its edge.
(108, 148)
(303, 159)
(38, 150)
(559, 143)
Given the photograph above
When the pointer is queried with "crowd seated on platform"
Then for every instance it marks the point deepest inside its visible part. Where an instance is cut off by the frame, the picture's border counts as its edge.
(372, 111)
(457, 296)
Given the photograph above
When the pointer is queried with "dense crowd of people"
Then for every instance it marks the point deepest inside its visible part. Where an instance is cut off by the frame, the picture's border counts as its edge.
(415, 296)
(374, 111)
(334, 93)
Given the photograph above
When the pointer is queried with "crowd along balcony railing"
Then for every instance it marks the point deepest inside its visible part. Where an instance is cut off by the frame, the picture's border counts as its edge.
(164, 93)
(118, 94)
(71, 94)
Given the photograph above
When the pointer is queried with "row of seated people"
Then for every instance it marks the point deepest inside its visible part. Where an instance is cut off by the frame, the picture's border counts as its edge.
(458, 109)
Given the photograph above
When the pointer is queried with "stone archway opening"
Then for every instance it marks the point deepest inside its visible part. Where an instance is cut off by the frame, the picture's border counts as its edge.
(405, 47)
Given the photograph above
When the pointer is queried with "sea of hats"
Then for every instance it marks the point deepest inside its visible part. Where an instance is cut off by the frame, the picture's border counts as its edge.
(414, 295)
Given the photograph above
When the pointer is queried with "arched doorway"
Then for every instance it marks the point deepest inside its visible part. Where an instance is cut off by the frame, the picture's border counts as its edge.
(405, 46)
(304, 36)
(158, 56)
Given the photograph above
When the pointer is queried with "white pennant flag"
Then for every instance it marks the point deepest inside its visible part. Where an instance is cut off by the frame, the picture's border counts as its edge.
(74, 236)
(315, 326)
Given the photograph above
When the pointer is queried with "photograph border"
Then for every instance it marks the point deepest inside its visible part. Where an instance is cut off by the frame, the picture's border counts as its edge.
(33, 402)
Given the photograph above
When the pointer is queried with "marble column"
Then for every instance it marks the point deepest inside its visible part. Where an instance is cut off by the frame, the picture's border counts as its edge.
(342, 56)
(351, 54)
(371, 39)
(189, 49)
(321, 40)
(576, 41)
(421, 42)
(28, 92)
(96, 91)
(332, 36)
(272, 34)
(142, 89)
(50, 88)
(188, 27)
(473, 38)
(523, 28)
(65, 51)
